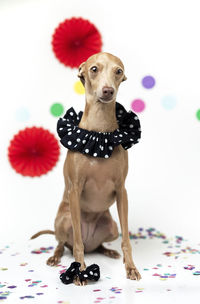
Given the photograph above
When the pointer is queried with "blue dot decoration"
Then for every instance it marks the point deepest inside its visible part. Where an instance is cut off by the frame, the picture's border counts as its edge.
(169, 102)
(22, 114)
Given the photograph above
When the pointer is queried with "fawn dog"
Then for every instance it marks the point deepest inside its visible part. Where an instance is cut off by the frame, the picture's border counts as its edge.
(83, 222)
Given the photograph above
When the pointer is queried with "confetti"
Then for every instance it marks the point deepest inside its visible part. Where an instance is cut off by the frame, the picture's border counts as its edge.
(179, 239)
(148, 233)
(189, 267)
(34, 283)
(139, 290)
(196, 273)
(14, 254)
(27, 297)
(42, 250)
(4, 295)
(116, 289)
(184, 250)
(3, 249)
(165, 275)
(173, 247)
(44, 286)
(23, 264)
(12, 286)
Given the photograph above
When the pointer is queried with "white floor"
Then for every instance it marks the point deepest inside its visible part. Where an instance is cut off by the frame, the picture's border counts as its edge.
(19, 268)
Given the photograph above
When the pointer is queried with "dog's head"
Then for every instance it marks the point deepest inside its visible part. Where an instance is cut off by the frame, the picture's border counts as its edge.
(101, 75)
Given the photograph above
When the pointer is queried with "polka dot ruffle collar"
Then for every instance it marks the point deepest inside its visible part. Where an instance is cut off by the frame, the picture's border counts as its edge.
(99, 144)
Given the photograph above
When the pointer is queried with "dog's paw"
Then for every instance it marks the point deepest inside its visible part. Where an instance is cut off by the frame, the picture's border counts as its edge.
(52, 261)
(111, 253)
(78, 282)
(132, 273)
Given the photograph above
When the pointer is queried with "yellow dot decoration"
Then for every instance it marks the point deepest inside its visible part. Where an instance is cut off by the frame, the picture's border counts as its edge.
(79, 88)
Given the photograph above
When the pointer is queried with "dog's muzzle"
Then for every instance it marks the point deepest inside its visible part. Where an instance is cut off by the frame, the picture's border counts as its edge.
(107, 94)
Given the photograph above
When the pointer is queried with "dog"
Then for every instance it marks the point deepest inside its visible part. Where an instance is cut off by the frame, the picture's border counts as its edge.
(83, 222)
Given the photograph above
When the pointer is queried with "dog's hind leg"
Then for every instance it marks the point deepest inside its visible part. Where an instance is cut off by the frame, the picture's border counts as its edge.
(113, 235)
(111, 253)
(58, 253)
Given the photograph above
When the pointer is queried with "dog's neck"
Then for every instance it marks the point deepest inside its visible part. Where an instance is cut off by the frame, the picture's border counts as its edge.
(99, 117)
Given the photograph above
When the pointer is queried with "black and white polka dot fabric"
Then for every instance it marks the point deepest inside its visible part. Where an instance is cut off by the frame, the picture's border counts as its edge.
(92, 272)
(99, 144)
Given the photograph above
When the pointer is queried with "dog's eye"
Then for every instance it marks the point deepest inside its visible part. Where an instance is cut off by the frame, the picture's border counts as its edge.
(94, 69)
(119, 71)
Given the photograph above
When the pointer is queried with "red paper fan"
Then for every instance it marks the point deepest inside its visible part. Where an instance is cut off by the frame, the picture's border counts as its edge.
(33, 151)
(74, 40)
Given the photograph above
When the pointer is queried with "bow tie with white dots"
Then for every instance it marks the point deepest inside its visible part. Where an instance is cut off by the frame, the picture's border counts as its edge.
(92, 272)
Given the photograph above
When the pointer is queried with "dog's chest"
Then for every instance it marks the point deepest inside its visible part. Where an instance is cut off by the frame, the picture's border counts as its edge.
(100, 185)
(101, 171)
(97, 195)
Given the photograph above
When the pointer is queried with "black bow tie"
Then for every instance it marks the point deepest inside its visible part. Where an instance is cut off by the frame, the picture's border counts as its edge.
(92, 272)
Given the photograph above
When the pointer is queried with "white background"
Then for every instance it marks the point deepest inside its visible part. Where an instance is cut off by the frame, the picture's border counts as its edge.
(152, 37)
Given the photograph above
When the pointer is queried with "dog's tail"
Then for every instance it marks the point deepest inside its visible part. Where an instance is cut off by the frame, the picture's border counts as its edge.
(42, 232)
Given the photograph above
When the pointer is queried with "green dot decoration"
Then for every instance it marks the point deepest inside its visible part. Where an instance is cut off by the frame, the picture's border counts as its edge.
(198, 114)
(57, 109)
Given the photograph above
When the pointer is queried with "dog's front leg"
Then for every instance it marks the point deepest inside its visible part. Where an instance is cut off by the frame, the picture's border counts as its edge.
(122, 207)
(78, 247)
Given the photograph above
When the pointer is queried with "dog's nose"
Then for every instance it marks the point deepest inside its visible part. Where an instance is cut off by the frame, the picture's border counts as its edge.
(107, 92)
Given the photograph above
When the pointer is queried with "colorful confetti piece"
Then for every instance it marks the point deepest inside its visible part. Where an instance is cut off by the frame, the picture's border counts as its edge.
(42, 250)
(189, 267)
(196, 273)
(12, 286)
(27, 297)
(4, 295)
(116, 289)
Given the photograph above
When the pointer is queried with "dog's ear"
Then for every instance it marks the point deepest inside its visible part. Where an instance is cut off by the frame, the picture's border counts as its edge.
(124, 78)
(81, 72)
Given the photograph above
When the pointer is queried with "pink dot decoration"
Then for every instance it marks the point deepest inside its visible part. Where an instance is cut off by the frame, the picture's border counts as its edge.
(137, 105)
